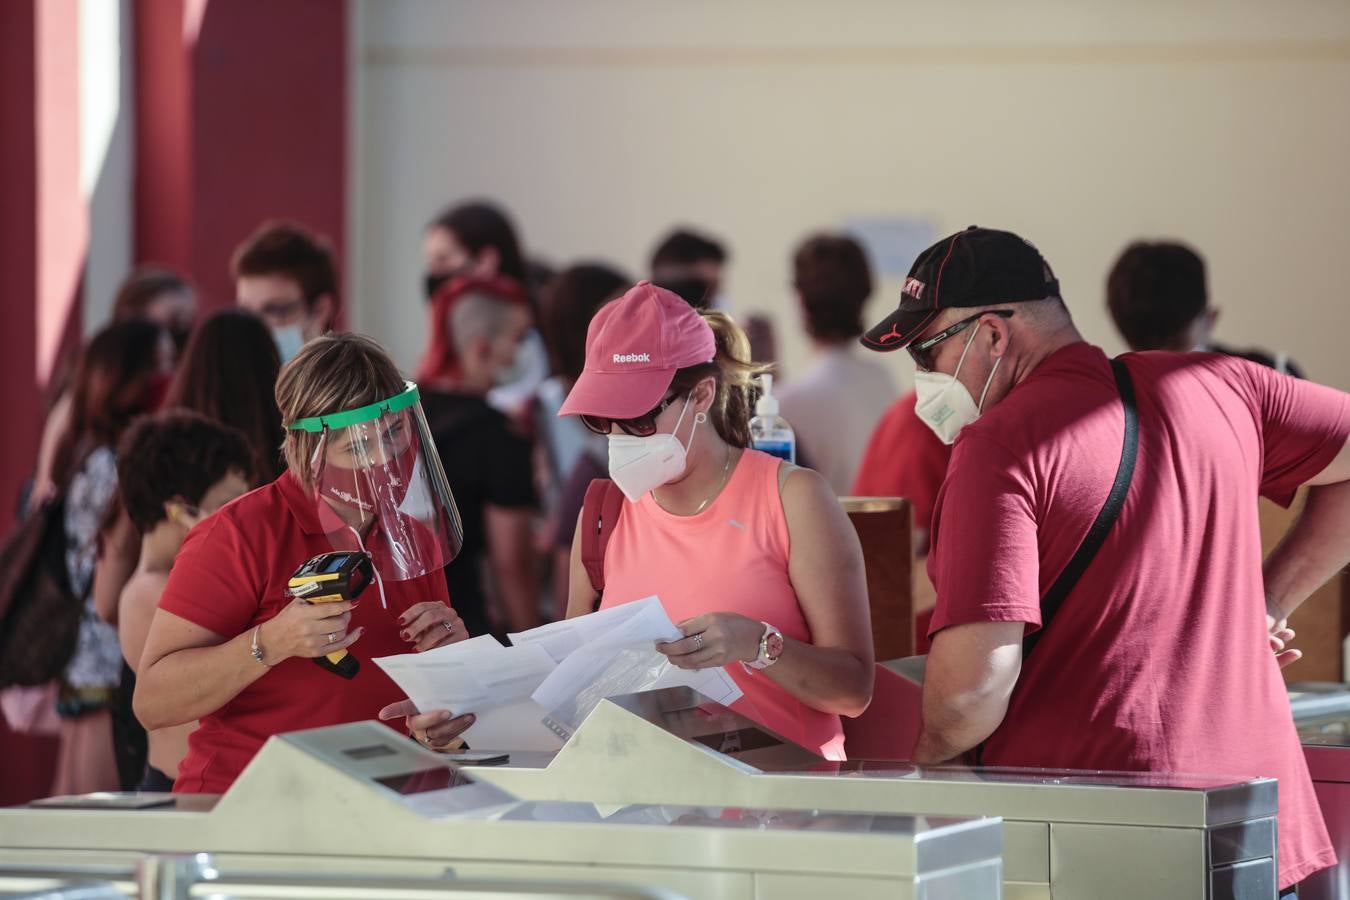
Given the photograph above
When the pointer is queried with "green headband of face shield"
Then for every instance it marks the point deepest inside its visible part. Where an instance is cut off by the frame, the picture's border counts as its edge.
(318, 424)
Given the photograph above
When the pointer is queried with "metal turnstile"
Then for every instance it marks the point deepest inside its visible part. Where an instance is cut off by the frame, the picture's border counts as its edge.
(1322, 714)
(361, 801)
(1067, 835)
(199, 875)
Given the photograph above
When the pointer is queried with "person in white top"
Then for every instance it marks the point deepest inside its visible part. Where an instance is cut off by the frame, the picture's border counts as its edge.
(836, 403)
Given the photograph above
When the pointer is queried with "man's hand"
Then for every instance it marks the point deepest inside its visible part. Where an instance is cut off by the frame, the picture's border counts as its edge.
(1280, 637)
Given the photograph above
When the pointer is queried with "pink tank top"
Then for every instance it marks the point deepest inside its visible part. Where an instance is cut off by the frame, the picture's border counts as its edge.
(731, 557)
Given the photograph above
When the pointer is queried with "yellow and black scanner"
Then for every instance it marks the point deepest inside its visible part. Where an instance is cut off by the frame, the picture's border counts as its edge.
(328, 578)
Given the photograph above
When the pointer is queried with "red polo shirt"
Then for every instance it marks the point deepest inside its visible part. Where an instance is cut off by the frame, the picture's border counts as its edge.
(1158, 660)
(231, 575)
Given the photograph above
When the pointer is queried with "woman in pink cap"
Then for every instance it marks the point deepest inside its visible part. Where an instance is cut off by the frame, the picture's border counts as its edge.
(752, 557)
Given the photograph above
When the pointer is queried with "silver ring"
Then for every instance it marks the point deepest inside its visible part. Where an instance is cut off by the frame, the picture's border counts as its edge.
(448, 627)
(332, 637)
(698, 641)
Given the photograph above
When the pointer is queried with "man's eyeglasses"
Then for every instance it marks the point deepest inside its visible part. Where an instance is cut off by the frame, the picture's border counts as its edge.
(641, 426)
(922, 351)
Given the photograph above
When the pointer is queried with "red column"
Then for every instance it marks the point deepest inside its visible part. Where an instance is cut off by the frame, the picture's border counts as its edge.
(41, 245)
(18, 249)
(241, 117)
(162, 197)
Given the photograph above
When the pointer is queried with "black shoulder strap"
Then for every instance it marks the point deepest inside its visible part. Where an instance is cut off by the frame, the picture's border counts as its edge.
(1096, 536)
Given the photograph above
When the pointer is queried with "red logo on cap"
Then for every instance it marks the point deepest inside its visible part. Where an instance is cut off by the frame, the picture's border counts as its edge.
(914, 287)
(894, 334)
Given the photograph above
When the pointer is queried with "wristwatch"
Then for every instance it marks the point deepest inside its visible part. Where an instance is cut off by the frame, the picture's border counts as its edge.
(770, 648)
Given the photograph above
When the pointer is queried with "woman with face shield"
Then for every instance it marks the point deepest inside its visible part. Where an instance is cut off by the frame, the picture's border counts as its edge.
(233, 646)
(753, 558)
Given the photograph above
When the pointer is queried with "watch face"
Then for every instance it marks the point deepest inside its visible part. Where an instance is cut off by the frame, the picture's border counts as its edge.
(773, 646)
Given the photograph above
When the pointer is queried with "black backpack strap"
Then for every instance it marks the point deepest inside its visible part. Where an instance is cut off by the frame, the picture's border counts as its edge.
(1096, 536)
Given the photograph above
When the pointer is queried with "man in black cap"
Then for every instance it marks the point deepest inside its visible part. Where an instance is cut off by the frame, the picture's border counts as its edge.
(1118, 497)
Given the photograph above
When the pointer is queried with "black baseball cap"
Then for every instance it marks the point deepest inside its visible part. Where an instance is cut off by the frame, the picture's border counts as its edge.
(975, 267)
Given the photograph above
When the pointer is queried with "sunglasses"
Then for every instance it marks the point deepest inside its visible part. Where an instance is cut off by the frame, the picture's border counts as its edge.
(641, 426)
(922, 351)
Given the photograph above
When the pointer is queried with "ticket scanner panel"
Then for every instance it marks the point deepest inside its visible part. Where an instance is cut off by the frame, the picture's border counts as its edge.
(1067, 835)
(360, 800)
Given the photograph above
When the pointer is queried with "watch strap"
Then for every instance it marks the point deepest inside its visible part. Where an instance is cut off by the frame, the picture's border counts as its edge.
(763, 660)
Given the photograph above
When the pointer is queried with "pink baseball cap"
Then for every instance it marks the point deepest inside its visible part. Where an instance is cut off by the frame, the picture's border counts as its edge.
(634, 346)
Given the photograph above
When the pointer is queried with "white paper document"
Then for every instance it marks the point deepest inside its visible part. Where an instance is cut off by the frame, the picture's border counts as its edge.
(529, 696)
(563, 638)
(491, 681)
(623, 660)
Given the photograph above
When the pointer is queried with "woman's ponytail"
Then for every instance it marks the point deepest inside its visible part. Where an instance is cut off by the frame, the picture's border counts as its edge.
(735, 374)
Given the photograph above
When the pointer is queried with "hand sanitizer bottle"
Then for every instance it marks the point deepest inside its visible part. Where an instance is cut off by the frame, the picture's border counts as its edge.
(769, 431)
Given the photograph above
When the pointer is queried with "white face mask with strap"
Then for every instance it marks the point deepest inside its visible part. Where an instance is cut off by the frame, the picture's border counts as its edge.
(640, 465)
(944, 404)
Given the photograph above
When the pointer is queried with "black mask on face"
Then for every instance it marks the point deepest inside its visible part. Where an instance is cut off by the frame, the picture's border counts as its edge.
(433, 283)
(180, 334)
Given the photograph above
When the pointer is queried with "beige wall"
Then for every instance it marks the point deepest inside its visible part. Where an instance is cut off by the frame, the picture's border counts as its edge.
(1080, 125)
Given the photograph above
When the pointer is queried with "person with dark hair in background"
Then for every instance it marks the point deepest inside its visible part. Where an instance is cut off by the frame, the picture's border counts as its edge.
(690, 264)
(474, 239)
(477, 329)
(752, 558)
(477, 239)
(153, 293)
(174, 470)
(124, 372)
(229, 374)
(576, 455)
(835, 404)
(160, 295)
(286, 275)
(1159, 300)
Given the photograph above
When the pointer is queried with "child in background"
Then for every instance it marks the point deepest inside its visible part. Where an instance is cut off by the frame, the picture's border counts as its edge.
(174, 470)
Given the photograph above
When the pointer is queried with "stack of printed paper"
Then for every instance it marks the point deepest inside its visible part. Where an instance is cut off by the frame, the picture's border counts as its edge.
(531, 695)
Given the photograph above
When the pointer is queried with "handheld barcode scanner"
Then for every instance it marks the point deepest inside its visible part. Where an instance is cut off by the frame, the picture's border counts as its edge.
(328, 578)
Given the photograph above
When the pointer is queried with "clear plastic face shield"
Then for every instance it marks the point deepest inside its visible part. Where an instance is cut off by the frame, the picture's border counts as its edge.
(380, 488)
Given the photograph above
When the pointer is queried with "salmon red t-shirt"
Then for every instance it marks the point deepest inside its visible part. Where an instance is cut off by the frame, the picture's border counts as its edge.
(1159, 659)
(230, 576)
